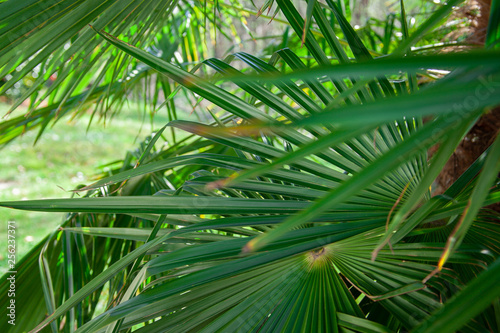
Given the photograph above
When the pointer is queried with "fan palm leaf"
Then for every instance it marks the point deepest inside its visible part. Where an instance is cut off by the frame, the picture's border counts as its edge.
(313, 214)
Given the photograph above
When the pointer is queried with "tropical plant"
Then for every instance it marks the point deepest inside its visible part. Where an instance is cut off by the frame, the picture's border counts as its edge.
(64, 74)
(306, 204)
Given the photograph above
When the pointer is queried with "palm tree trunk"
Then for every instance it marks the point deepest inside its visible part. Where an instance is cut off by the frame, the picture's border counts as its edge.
(482, 135)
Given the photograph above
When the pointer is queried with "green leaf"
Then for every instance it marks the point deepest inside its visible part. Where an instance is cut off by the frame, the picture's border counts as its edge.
(159, 205)
(369, 175)
(476, 201)
(436, 17)
(493, 32)
(467, 304)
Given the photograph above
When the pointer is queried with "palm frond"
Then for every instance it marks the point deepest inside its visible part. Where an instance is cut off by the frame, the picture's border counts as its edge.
(313, 213)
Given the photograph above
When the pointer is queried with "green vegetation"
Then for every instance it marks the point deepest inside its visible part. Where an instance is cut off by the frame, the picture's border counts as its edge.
(301, 197)
(66, 156)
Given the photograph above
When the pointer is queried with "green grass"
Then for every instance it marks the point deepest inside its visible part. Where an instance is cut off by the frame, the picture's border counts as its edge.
(65, 156)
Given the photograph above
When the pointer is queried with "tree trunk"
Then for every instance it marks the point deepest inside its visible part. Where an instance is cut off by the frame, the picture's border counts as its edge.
(484, 132)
